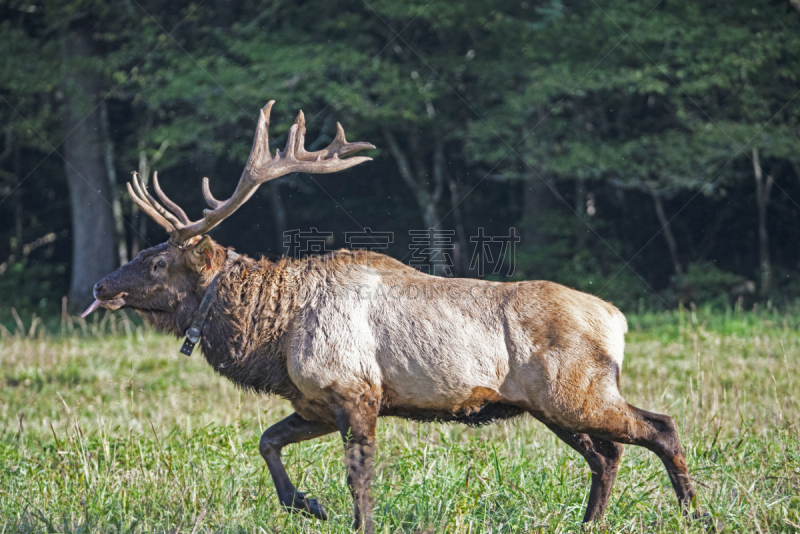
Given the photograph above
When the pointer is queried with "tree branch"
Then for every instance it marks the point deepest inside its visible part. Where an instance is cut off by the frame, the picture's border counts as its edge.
(400, 158)
(438, 169)
(668, 236)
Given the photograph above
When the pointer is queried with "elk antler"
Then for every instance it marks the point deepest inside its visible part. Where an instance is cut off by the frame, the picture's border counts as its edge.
(261, 167)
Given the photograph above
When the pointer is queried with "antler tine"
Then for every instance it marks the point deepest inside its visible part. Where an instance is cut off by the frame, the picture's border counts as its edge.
(348, 148)
(261, 167)
(339, 147)
(142, 190)
(293, 140)
(144, 197)
(147, 208)
(259, 154)
(210, 200)
(300, 122)
(174, 208)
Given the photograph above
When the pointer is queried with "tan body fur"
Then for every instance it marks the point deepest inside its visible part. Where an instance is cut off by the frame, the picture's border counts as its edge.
(373, 326)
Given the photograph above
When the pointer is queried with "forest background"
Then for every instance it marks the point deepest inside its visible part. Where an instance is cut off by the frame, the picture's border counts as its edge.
(647, 152)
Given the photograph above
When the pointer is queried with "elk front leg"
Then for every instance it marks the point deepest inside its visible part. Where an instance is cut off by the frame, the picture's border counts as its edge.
(291, 430)
(357, 420)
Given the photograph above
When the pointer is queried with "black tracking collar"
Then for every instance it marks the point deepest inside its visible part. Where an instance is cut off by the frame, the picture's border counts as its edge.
(193, 334)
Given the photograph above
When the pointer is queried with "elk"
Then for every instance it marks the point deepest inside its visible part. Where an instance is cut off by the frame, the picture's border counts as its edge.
(352, 336)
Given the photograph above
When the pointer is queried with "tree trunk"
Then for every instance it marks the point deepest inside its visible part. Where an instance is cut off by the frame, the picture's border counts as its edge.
(460, 255)
(580, 197)
(279, 212)
(93, 251)
(536, 198)
(580, 210)
(139, 218)
(763, 188)
(15, 190)
(668, 236)
(427, 195)
(116, 203)
(18, 216)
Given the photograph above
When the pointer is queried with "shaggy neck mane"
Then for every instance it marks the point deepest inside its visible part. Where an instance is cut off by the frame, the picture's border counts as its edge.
(244, 334)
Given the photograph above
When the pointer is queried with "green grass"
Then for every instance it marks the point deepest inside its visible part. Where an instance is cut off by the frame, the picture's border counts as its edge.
(106, 428)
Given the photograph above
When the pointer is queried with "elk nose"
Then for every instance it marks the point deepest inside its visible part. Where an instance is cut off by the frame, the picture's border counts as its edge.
(98, 287)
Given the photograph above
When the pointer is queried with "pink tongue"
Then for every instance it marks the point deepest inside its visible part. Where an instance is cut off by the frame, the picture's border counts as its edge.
(90, 309)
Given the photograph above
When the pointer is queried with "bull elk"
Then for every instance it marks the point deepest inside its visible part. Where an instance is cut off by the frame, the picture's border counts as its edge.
(352, 336)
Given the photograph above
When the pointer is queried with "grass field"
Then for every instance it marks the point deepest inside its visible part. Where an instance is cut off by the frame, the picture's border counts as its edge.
(106, 428)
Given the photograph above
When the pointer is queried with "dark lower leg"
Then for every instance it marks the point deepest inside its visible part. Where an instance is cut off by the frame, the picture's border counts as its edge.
(603, 459)
(359, 459)
(291, 430)
(357, 421)
(656, 432)
(662, 438)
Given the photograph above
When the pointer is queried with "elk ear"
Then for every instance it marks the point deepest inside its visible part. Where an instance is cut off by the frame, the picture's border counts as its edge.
(202, 253)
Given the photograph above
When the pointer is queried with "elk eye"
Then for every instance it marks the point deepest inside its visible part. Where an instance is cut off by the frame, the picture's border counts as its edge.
(161, 264)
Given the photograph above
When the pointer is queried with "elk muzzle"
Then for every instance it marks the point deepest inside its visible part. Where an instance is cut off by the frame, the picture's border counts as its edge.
(109, 302)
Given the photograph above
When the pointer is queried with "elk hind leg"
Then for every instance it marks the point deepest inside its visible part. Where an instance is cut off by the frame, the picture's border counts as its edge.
(603, 459)
(357, 421)
(659, 433)
(624, 423)
(291, 430)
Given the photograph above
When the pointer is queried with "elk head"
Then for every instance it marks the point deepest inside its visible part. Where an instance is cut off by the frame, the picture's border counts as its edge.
(159, 278)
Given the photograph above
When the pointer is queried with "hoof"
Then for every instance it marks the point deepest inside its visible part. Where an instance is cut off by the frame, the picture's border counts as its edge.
(368, 527)
(601, 527)
(705, 519)
(306, 507)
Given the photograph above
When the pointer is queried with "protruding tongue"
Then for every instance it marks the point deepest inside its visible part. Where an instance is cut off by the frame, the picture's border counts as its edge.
(90, 309)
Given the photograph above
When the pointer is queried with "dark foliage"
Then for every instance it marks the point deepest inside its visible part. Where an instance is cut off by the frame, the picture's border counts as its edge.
(562, 119)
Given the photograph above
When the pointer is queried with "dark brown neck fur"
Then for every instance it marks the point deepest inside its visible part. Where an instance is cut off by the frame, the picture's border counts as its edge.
(243, 336)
